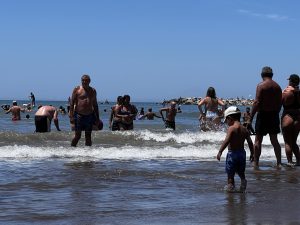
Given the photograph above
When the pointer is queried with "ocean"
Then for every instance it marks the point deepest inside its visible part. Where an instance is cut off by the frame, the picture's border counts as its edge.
(147, 176)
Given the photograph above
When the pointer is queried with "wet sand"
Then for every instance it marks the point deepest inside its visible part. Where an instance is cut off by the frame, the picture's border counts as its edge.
(145, 192)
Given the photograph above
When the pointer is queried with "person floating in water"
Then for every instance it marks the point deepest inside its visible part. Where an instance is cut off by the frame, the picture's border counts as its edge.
(15, 111)
(236, 156)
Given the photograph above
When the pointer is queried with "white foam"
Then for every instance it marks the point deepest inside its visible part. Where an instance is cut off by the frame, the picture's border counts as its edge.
(189, 137)
(206, 152)
(181, 138)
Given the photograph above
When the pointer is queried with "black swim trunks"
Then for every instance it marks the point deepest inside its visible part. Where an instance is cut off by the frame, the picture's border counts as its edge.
(126, 126)
(115, 125)
(170, 124)
(84, 122)
(42, 124)
(267, 123)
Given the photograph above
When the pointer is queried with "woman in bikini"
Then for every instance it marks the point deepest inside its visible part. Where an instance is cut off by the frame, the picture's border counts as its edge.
(210, 117)
(290, 120)
(128, 113)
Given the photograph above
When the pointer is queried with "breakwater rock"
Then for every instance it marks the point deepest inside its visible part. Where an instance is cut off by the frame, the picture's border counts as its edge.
(195, 100)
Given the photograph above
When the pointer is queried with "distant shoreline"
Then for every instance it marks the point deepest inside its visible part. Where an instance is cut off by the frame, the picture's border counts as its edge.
(179, 101)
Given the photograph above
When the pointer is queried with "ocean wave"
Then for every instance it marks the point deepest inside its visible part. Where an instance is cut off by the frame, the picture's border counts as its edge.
(206, 152)
(118, 139)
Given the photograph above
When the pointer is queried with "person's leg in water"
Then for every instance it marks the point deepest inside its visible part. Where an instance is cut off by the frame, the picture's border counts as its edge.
(257, 148)
(243, 181)
(295, 148)
(230, 183)
(287, 127)
(76, 138)
(88, 138)
(277, 148)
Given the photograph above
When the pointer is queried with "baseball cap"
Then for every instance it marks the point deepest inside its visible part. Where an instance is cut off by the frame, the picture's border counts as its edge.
(14, 101)
(230, 111)
(294, 78)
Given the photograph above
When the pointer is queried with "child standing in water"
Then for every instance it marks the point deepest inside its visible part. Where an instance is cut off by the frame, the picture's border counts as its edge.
(236, 156)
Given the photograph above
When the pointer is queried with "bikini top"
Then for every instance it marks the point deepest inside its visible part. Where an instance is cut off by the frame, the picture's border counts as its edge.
(124, 112)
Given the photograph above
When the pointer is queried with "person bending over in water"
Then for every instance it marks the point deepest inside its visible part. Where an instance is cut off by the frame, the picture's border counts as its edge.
(236, 156)
(43, 118)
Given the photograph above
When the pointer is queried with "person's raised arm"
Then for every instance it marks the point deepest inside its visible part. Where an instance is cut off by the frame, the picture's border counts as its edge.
(161, 113)
(156, 115)
(8, 111)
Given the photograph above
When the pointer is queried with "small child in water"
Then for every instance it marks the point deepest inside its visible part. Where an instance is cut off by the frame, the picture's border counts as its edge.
(236, 156)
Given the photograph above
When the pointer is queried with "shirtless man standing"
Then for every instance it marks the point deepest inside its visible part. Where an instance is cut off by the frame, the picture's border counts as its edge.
(267, 104)
(84, 110)
(43, 118)
(15, 111)
(170, 115)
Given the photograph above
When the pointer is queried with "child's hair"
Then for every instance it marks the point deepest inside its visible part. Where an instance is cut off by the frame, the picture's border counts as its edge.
(236, 116)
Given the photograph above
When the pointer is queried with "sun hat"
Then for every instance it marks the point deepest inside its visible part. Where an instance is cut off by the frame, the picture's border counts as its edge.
(230, 111)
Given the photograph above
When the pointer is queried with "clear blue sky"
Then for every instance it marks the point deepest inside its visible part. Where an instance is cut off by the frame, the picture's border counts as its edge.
(152, 50)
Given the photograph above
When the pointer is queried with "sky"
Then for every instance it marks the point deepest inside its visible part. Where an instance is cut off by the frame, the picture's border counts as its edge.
(152, 50)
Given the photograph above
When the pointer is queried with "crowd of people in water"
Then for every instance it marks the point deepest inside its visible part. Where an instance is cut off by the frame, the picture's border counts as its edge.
(84, 116)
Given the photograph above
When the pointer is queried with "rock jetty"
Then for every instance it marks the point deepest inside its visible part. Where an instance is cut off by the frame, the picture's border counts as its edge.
(194, 101)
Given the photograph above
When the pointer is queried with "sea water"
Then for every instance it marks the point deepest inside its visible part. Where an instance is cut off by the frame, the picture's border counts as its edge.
(146, 176)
